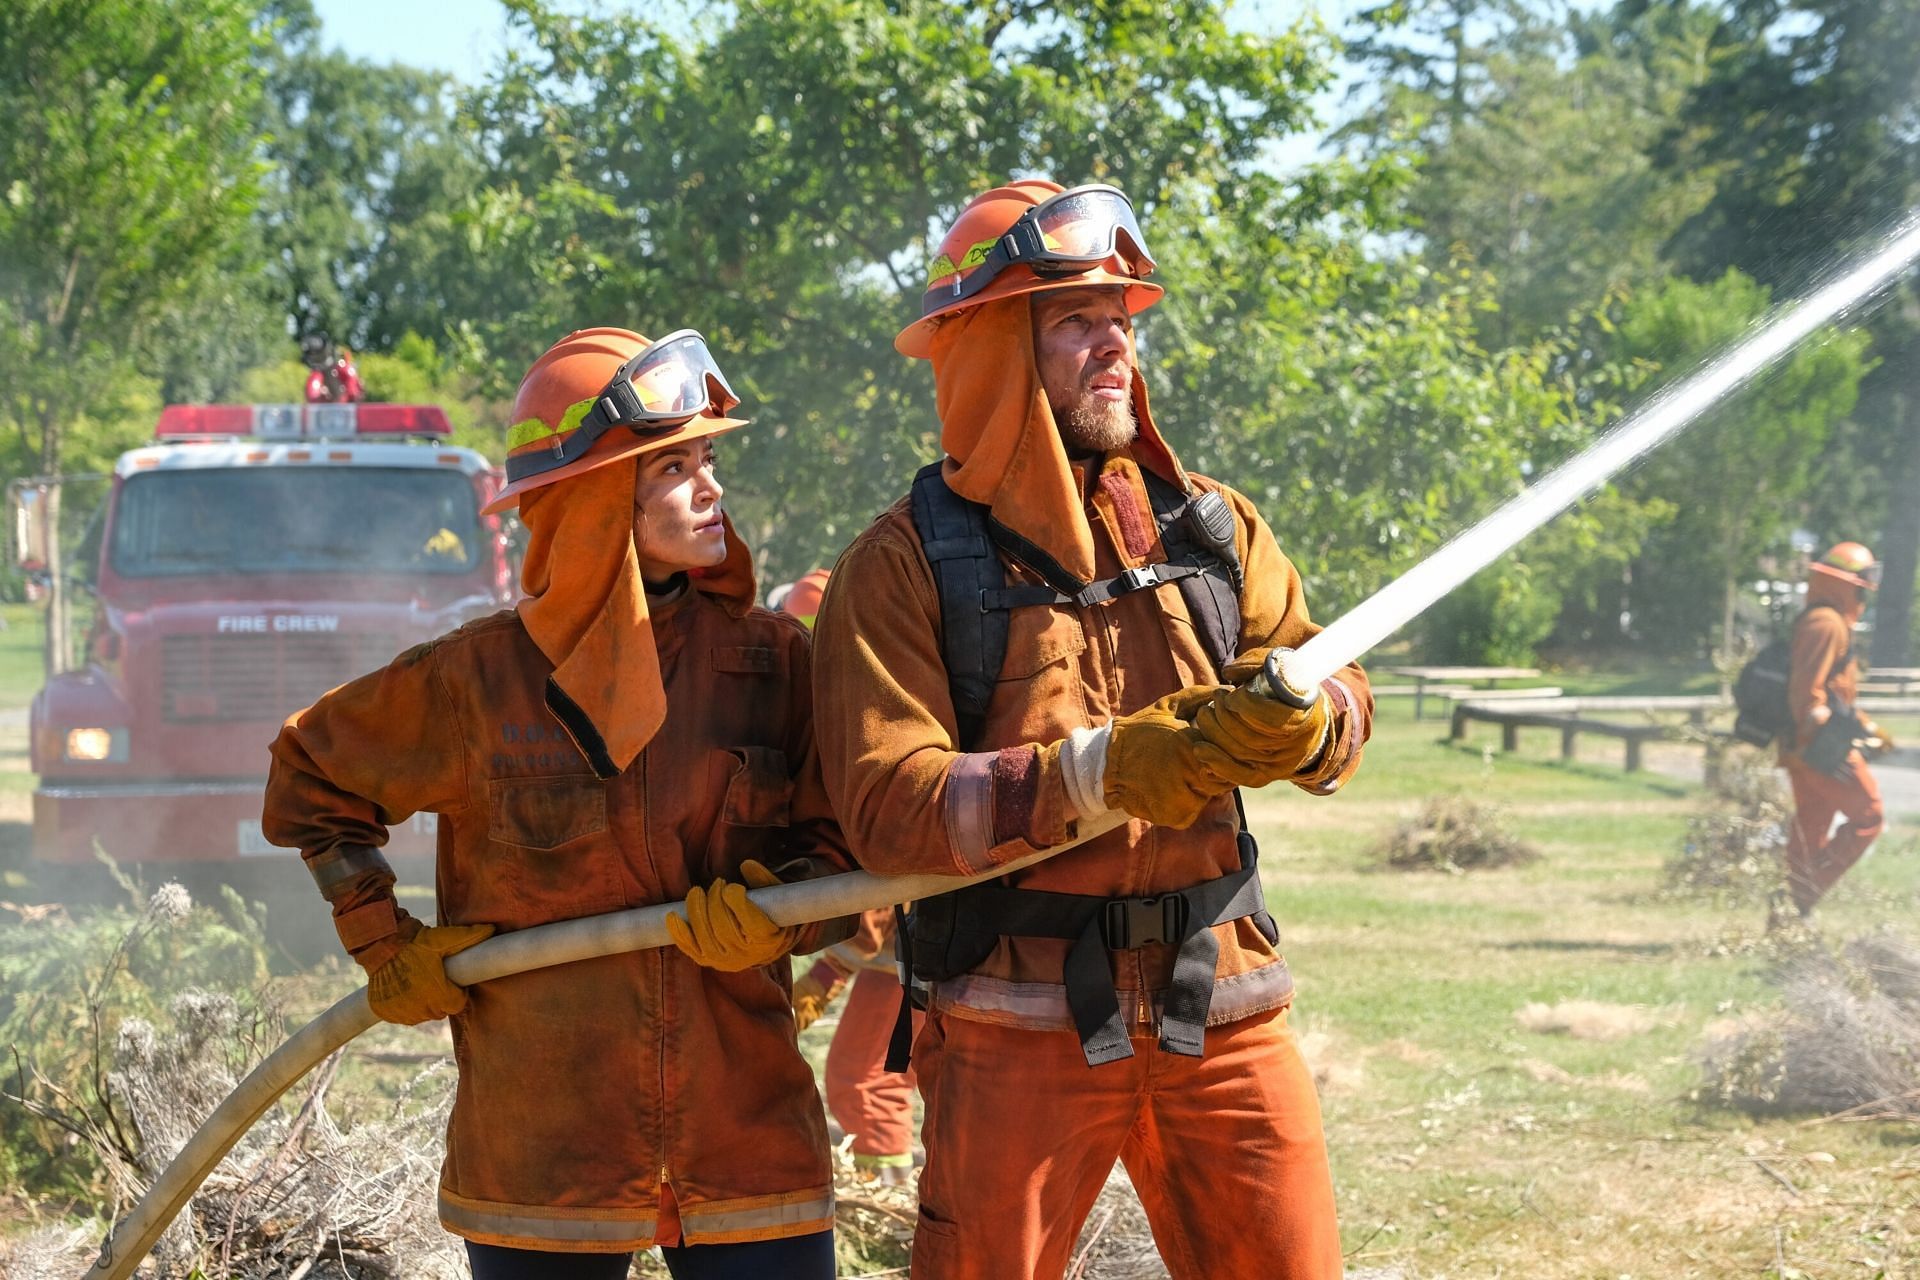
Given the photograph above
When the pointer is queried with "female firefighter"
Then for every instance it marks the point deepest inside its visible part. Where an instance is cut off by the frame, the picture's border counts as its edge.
(633, 730)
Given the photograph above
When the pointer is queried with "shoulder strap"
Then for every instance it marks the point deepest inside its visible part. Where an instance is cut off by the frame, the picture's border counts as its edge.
(955, 537)
(1212, 595)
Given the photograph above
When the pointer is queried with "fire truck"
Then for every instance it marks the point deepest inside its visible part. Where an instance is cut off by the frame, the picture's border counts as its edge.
(250, 559)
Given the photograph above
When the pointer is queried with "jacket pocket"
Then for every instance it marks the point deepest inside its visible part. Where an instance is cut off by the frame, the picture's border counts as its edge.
(545, 813)
(548, 864)
(755, 809)
(1041, 694)
(1039, 637)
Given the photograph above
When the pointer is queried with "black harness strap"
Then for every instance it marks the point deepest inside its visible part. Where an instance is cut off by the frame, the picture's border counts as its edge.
(964, 545)
(1183, 917)
(953, 535)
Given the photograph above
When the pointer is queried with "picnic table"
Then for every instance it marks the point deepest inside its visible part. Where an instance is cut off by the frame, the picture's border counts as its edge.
(1898, 681)
(1423, 676)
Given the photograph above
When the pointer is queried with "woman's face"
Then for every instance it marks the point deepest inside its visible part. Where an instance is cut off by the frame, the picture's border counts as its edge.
(676, 511)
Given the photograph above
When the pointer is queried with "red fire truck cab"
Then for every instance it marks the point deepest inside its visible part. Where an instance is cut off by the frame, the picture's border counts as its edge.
(252, 558)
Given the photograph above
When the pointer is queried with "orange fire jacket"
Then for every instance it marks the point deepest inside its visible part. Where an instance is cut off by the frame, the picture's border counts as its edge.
(613, 1103)
(912, 800)
(1817, 676)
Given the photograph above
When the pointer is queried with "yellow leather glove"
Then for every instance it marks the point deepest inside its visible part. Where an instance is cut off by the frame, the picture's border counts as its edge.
(723, 929)
(1154, 768)
(814, 990)
(1251, 739)
(1878, 741)
(413, 987)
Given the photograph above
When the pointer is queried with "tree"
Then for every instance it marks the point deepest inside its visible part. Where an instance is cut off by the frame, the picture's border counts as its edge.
(1345, 390)
(1807, 118)
(772, 175)
(1534, 146)
(1739, 481)
(130, 170)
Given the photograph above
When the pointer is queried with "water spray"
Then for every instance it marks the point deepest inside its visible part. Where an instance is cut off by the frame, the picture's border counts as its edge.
(1666, 415)
(829, 897)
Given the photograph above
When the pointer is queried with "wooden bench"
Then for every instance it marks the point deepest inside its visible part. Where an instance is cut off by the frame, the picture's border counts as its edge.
(1546, 692)
(1424, 678)
(1569, 722)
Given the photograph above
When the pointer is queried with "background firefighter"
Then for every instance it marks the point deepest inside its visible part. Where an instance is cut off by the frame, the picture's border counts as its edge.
(1822, 685)
(1061, 571)
(872, 1105)
(634, 729)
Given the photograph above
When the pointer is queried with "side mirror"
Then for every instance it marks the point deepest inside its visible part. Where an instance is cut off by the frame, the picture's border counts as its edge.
(32, 530)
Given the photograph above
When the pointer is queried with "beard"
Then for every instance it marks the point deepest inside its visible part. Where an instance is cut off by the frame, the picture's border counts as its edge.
(1098, 426)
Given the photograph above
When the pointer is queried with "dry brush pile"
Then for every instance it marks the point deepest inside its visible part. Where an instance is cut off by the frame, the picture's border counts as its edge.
(1736, 843)
(1454, 834)
(1844, 1041)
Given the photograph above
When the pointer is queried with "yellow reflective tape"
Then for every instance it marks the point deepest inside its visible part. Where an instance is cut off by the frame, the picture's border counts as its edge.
(943, 265)
(978, 254)
(534, 430)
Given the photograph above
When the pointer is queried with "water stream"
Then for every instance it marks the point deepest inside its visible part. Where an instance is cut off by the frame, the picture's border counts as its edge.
(1664, 416)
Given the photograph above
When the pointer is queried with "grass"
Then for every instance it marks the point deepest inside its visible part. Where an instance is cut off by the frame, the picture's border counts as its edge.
(22, 665)
(1465, 1143)
(1509, 1054)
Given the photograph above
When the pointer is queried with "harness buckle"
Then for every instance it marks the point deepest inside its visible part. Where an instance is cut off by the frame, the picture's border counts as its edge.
(1133, 579)
(1130, 923)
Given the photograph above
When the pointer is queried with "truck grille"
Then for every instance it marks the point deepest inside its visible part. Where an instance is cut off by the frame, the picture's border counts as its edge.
(208, 678)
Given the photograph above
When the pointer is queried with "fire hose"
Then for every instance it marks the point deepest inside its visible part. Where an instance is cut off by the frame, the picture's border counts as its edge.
(1347, 639)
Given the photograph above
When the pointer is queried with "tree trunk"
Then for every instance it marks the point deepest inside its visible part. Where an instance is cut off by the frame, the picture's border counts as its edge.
(1729, 656)
(56, 652)
(1900, 547)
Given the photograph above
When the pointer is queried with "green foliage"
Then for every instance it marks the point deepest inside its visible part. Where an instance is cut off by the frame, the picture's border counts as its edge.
(1806, 119)
(70, 987)
(771, 175)
(1738, 481)
(130, 170)
(1348, 394)
(1496, 618)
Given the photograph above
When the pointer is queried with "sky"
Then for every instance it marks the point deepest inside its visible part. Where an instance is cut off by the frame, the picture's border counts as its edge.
(465, 36)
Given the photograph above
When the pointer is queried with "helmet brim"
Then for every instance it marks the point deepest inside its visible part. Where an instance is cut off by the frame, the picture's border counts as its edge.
(916, 339)
(617, 444)
(1843, 575)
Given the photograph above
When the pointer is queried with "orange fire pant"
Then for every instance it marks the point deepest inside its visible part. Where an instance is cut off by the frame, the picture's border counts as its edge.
(1815, 861)
(874, 1105)
(1225, 1150)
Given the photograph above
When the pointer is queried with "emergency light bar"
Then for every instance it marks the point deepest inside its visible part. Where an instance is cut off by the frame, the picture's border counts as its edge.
(300, 421)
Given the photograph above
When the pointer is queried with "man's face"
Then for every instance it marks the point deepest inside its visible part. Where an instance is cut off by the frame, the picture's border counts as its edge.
(676, 510)
(1083, 346)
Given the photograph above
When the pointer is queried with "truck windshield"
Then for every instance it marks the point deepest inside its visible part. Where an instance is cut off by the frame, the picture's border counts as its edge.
(296, 520)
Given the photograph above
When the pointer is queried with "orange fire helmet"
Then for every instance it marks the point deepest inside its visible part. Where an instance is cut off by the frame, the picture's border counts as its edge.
(1026, 237)
(600, 395)
(803, 598)
(1850, 562)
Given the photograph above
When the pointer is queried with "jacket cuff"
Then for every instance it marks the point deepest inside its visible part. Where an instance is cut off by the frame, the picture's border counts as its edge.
(1341, 752)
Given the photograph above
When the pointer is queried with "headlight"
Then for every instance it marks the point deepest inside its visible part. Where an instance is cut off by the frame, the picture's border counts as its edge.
(97, 744)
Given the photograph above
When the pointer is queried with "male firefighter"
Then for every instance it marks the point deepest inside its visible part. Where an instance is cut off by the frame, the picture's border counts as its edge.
(1052, 626)
(633, 730)
(873, 1105)
(1823, 755)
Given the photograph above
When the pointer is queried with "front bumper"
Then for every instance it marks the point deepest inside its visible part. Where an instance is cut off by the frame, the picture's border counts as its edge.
(181, 821)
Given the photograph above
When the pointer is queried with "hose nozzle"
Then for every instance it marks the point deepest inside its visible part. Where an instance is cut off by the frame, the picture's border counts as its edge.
(1272, 682)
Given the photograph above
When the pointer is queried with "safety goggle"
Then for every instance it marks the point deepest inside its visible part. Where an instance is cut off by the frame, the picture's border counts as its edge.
(667, 383)
(1062, 235)
(654, 391)
(1872, 575)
